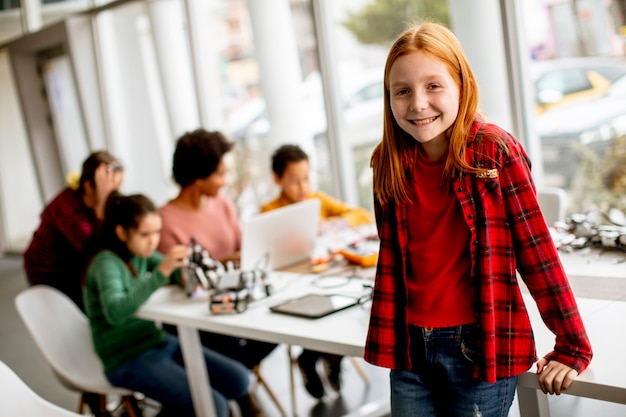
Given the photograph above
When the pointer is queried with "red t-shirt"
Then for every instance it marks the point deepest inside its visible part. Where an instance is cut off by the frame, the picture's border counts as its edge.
(439, 284)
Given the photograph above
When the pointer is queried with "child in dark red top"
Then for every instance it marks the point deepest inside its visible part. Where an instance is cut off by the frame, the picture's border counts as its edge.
(63, 243)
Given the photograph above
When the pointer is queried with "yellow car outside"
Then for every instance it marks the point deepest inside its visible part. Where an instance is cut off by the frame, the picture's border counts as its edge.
(562, 81)
(598, 86)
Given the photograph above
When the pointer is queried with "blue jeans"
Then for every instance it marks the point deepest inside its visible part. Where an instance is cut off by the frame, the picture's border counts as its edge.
(159, 374)
(441, 382)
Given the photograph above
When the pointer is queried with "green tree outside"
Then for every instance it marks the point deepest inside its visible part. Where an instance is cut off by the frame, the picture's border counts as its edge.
(381, 21)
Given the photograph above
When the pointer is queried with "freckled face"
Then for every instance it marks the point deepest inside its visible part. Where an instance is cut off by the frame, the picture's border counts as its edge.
(295, 181)
(424, 98)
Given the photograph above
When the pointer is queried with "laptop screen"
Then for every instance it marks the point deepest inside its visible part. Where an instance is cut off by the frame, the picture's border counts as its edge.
(281, 237)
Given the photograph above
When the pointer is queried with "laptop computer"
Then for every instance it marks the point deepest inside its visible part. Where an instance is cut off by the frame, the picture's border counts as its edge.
(280, 238)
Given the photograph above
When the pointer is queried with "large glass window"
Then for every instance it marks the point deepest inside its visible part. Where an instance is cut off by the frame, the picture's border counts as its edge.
(170, 66)
(361, 33)
(258, 81)
(579, 73)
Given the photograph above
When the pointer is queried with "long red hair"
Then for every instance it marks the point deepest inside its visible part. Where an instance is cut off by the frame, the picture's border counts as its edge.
(390, 155)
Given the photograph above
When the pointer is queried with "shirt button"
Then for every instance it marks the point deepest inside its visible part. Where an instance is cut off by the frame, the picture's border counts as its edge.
(459, 189)
(471, 216)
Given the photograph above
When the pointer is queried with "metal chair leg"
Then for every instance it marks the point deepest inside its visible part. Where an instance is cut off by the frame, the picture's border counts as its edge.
(292, 380)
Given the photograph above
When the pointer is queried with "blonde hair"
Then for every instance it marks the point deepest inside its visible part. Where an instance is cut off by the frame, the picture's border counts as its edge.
(390, 156)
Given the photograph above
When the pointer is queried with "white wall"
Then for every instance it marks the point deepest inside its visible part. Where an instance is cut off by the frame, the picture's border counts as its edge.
(20, 201)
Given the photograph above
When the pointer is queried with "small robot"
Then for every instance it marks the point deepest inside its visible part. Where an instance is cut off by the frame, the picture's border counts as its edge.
(230, 290)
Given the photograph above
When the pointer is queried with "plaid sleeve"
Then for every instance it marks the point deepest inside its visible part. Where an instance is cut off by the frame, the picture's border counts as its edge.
(382, 344)
(539, 264)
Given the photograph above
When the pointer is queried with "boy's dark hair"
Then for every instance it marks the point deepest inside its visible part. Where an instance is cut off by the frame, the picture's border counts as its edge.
(284, 156)
(197, 155)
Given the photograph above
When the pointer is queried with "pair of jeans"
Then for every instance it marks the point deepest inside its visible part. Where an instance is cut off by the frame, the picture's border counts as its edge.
(159, 373)
(441, 383)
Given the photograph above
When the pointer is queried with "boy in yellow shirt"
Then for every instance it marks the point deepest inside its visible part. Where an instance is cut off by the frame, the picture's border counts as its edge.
(291, 173)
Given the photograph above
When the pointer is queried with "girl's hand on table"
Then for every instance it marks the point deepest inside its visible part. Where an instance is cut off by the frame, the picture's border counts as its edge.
(554, 377)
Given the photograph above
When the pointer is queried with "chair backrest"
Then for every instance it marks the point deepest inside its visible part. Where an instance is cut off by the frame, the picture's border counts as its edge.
(552, 201)
(62, 334)
(17, 399)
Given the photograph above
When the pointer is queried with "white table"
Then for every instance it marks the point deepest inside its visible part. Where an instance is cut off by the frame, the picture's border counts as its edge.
(594, 263)
(341, 333)
(604, 271)
(344, 333)
(605, 378)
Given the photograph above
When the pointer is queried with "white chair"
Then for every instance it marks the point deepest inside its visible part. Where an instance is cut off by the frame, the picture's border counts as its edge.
(17, 399)
(61, 332)
(552, 201)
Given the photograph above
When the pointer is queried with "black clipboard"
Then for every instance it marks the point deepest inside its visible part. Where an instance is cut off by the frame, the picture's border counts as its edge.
(313, 306)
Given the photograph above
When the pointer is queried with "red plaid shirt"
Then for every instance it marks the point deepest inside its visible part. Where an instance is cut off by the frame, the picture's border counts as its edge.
(508, 235)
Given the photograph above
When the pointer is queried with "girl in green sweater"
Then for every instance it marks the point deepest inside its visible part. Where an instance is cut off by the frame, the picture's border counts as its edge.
(137, 354)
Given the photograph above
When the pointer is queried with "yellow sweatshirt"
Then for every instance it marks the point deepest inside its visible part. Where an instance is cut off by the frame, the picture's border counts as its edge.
(330, 207)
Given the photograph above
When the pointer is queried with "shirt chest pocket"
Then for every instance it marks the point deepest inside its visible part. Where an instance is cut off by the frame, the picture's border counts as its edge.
(490, 201)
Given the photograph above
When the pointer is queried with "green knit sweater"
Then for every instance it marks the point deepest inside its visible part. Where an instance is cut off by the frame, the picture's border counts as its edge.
(112, 295)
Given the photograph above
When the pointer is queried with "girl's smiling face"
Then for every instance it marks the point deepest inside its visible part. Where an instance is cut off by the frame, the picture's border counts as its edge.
(424, 98)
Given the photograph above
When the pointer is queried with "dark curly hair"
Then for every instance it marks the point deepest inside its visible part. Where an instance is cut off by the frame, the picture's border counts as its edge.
(284, 156)
(197, 155)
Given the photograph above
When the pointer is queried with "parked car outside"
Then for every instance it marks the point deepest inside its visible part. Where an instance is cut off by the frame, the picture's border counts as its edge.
(589, 125)
(562, 81)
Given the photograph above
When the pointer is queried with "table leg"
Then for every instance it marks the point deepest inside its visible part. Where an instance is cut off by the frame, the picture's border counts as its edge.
(196, 371)
(532, 402)
(292, 382)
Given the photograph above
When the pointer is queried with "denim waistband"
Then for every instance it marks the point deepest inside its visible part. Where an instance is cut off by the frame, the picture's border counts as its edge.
(452, 332)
